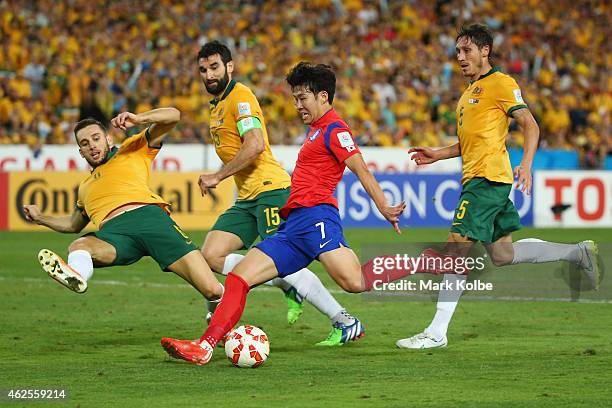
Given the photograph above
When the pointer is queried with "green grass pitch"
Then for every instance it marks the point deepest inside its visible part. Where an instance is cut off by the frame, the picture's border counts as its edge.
(103, 347)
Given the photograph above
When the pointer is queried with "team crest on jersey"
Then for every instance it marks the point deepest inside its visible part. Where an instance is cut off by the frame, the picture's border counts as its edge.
(315, 135)
(477, 91)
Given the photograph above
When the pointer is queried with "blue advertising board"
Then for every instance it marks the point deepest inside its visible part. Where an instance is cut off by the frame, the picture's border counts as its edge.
(430, 200)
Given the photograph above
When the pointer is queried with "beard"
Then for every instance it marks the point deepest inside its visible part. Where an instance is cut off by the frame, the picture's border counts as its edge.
(217, 88)
(101, 160)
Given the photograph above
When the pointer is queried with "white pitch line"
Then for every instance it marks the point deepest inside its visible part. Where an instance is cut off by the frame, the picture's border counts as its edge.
(373, 296)
(104, 282)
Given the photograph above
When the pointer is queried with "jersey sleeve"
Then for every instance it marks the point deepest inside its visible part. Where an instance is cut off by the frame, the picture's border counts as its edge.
(341, 144)
(139, 142)
(508, 96)
(247, 112)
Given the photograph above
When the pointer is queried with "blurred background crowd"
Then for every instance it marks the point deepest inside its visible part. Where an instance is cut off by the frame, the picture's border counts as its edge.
(398, 82)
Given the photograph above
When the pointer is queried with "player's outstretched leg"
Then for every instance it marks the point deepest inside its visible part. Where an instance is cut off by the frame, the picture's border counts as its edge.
(193, 268)
(82, 254)
(218, 250)
(532, 250)
(300, 286)
(59, 270)
(295, 306)
(310, 287)
(505, 252)
(256, 268)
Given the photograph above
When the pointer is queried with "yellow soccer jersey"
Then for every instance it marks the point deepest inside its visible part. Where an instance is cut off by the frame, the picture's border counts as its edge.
(483, 117)
(123, 179)
(265, 173)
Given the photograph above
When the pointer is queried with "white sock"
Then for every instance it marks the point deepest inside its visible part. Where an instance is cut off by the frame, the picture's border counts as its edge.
(308, 286)
(279, 283)
(447, 302)
(80, 260)
(533, 250)
(231, 261)
(344, 318)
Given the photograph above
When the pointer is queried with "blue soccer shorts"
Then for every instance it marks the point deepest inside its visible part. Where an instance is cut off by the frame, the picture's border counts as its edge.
(307, 233)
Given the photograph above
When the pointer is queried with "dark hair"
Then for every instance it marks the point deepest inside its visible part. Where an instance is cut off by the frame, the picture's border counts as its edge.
(83, 123)
(215, 47)
(479, 34)
(315, 77)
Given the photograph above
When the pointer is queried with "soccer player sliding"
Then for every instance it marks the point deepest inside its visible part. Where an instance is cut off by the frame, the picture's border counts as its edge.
(312, 229)
(132, 221)
(485, 213)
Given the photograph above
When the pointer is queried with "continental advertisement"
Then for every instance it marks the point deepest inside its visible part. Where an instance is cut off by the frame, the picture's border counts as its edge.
(55, 193)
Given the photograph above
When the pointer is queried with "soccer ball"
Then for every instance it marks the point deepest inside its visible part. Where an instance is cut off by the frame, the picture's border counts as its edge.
(247, 346)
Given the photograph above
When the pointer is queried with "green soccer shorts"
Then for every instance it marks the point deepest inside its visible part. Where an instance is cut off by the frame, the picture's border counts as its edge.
(257, 217)
(485, 213)
(145, 231)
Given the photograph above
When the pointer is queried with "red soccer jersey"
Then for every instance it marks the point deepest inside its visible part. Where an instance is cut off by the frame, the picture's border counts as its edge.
(320, 163)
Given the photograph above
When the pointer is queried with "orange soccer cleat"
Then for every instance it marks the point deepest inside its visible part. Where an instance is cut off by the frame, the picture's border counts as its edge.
(188, 350)
(59, 270)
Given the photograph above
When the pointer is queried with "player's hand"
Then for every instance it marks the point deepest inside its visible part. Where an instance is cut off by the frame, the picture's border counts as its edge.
(423, 155)
(125, 120)
(32, 213)
(207, 181)
(523, 174)
(392, 215)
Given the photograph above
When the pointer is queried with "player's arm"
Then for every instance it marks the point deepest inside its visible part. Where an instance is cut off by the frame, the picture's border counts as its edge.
(252, 146)
(530, 129)
(162, 121)
(67, 223)
(427, 155)
(357, 165)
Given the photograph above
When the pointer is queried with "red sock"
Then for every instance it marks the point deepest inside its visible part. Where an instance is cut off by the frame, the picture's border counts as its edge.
(229, 310)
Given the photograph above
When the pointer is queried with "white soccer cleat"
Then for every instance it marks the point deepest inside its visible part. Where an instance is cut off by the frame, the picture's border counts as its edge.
(589, 264)
(422, 340)
(59, 270)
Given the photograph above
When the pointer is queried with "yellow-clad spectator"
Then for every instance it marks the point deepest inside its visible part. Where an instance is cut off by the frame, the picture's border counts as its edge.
(404, 47)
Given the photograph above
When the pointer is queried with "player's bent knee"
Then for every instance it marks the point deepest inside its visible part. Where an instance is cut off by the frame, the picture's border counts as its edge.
(352, 285)
(82, 244)
(102, 253)
(214, 258)
(213, 292)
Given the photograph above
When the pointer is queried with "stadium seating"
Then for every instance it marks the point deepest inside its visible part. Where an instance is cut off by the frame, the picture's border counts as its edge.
(398, 81)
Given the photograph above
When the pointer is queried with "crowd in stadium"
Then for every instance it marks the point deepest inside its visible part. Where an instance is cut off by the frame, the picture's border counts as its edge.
(398, 79)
